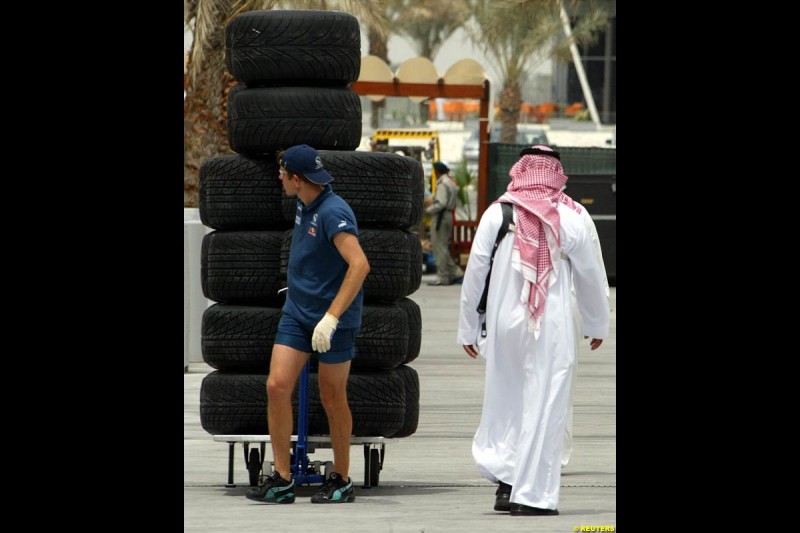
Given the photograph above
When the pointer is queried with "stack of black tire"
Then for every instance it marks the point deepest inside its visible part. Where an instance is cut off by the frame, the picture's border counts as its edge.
(294, 69)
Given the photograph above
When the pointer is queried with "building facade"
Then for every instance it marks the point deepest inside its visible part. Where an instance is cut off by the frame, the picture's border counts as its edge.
(600, 64)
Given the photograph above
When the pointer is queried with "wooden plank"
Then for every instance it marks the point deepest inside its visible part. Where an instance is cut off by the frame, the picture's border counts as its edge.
(438, 90)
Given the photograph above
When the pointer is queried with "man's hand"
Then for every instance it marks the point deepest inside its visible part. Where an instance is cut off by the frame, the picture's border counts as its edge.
(321, 339)
(471, 351)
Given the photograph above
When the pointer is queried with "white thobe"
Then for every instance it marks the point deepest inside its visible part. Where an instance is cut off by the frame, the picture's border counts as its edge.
(528, 380)
(566, 450)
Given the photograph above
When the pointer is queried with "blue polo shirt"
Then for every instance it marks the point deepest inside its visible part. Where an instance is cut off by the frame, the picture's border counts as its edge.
(316, 269)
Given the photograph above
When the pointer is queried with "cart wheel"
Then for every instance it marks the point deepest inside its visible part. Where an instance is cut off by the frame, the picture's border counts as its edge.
(374, 467)
(254, 467)
(327, 468)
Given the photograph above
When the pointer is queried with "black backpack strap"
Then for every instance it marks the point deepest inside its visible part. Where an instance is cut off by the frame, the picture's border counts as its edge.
(508, 216)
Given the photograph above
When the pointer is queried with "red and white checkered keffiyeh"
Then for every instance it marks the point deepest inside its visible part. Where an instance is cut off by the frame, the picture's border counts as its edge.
(535, 188)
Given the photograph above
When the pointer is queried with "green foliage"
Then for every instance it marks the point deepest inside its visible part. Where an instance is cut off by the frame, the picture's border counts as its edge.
(519, 34)
(427, 24)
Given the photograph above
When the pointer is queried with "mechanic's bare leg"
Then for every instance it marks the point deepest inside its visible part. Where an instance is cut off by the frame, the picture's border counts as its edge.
(284, 369)
(333, 393)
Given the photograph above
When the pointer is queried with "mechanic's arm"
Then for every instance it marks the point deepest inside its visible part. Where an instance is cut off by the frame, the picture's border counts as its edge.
(438, 202)
(358, 268)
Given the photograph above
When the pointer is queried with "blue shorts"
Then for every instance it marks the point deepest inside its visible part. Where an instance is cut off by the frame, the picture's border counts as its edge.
(293, 333)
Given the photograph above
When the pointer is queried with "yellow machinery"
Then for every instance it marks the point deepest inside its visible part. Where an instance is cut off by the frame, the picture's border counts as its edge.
(402, 140)
(420, 144)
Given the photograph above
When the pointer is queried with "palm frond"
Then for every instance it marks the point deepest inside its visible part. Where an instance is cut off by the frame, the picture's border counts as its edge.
(370, 13)
(241, 6)
(189, 10)
(207, 17)
(427, 24)
(517, 34)
(585, 31)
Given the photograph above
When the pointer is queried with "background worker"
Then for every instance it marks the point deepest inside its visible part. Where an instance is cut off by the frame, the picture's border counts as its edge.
(440, 207)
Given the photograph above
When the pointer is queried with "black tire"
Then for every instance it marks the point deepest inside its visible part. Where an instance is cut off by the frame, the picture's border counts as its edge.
(389, 251)
(293, 47)
(410, 380)
(242, 267)
(236, 404)
(414, 316)
(377, 403)
(238, 338)
(254, 466)
(262, 120)
(415, 267)
(239, 192)
(374, 467)
(384, 190)
(382, 342)
(232, 403)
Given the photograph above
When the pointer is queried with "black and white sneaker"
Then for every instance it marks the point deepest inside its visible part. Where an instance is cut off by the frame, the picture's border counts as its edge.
(274, 489)
(335, 490)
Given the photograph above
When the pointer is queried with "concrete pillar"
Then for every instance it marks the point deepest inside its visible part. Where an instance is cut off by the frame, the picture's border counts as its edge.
(186, 274)
(194, 302)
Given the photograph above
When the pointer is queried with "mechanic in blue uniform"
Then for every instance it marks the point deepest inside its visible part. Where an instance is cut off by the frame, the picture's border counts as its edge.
(322, 313)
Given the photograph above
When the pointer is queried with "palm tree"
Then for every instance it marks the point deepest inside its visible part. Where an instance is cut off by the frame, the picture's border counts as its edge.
(378, 38)
(207, 81)
(518, 35)
(204, 128)
(427, 24)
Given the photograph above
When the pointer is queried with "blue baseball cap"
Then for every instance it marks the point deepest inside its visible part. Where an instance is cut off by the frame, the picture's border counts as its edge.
(302, 159)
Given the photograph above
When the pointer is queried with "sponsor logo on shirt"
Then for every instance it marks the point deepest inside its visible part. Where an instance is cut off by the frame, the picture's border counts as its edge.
(314, 220)
(343, 223)
(312, 231)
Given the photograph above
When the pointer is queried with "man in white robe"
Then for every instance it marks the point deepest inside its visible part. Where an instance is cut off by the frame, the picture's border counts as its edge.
(527, 334)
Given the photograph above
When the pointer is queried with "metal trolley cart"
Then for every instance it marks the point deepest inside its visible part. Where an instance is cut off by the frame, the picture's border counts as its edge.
(304, 471)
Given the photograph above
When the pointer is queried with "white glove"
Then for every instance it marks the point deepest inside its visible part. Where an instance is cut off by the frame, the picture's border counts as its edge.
(321, 340)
